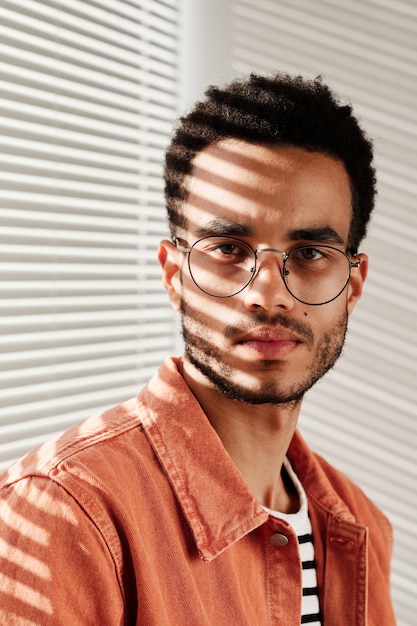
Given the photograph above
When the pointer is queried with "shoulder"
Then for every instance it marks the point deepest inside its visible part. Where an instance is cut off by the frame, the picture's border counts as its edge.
(100, 431)
(359, 504)
(86, 476)
(333, 491)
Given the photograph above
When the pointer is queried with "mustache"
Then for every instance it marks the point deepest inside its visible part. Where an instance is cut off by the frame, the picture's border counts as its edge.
(278, 319)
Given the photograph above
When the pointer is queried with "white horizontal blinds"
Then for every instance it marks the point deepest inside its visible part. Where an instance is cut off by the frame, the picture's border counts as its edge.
(363, 416)
(87, 100)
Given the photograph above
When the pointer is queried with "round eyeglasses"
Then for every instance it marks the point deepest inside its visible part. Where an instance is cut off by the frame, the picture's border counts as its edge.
(223, 266)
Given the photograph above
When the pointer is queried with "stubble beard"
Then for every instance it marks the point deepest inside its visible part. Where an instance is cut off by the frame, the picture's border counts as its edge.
(208, 360)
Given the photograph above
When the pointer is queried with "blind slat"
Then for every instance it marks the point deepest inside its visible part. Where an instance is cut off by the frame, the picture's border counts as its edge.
(87, 102)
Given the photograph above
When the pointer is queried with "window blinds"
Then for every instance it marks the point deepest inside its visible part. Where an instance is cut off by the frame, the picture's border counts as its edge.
(87, 100)
(362, 417)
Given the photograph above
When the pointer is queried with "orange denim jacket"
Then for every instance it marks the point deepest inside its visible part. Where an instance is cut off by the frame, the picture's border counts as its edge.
(139, 517)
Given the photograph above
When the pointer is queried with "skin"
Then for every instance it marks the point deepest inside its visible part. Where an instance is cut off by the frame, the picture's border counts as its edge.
(250, 358)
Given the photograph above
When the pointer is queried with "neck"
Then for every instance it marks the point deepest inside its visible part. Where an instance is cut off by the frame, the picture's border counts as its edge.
(256, 437)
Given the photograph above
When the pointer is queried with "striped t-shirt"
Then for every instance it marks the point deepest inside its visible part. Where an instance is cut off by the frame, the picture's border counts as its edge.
(300, 521)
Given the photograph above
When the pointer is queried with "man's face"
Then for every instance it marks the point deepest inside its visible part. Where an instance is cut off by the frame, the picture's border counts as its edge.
(262, 345)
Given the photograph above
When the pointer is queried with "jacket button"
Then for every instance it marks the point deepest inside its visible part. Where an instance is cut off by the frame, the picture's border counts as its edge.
(278, 539)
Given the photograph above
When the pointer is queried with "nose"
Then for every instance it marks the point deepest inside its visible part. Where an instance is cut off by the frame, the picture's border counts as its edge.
(267, 289)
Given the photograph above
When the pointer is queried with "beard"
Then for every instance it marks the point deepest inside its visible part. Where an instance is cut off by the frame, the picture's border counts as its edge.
(210, 361)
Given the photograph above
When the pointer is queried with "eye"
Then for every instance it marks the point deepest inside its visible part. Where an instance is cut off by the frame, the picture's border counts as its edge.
(227, 250)
(309, 254)
(311, 257)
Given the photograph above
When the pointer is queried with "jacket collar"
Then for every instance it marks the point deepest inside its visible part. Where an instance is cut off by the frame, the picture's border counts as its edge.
(215, 499)
(311, 471)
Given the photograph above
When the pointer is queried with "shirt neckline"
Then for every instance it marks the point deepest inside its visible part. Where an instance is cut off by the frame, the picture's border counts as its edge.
(298, 519)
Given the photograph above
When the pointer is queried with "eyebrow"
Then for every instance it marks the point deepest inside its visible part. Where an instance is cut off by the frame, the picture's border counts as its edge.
(219, 227)
(323, 234)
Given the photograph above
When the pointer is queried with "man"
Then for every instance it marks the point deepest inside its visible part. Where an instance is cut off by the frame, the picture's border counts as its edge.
(198, 502)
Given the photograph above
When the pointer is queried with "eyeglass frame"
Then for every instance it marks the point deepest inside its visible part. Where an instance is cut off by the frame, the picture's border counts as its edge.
(285, 255)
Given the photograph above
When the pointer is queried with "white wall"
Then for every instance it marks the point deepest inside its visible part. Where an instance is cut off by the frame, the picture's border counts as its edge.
(362, 415)
(206, 47)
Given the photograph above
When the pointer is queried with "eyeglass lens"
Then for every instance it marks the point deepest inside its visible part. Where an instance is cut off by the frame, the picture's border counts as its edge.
(223, 267)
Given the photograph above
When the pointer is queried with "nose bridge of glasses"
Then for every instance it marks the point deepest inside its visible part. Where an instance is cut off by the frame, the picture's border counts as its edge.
(270, 278)
(281, 265)
(283, 254)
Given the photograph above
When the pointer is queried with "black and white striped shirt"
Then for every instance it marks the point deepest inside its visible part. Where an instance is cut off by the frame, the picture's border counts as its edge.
(300, 521)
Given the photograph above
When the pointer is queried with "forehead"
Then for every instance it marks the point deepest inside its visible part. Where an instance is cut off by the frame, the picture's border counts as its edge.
(278, 185)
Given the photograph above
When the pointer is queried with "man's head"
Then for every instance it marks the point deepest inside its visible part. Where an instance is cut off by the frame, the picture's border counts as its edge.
(269, 188)
(276, 110)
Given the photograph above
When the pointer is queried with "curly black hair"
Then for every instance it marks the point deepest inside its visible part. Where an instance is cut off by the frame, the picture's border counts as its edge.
(278, 109)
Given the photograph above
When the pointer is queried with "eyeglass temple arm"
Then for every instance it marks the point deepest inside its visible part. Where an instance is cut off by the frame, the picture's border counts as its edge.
(179, 247)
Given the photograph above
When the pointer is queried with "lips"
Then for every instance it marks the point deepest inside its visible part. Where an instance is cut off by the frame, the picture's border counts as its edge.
(270, 343)
(269, 335)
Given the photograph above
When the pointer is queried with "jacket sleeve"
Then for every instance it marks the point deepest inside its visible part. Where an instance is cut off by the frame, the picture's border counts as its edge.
(55, 566)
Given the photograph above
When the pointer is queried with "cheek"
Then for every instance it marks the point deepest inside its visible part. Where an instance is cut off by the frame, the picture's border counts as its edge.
(206, 315)
(327, 317)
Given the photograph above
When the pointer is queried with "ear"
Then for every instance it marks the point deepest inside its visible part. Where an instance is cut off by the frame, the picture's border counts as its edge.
(356, 282)
(169, 261)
